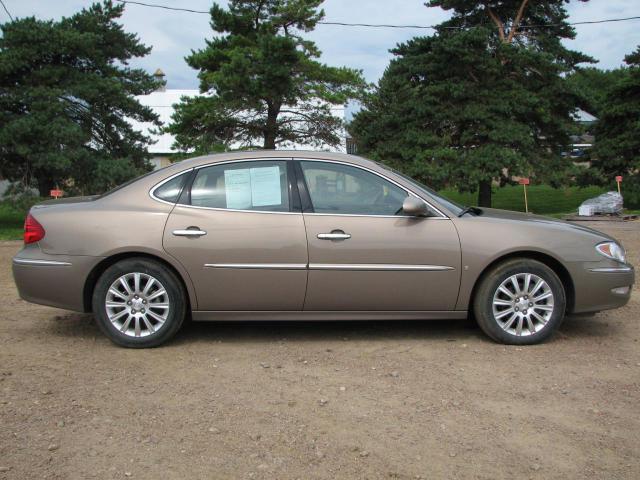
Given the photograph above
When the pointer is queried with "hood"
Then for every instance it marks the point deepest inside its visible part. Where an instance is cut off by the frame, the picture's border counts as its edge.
(509, 215)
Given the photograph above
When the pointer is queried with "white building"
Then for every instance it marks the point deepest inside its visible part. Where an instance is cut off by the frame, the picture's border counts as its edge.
(162, 103)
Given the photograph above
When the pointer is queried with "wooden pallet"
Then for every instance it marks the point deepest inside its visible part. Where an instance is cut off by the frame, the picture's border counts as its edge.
(601, 218)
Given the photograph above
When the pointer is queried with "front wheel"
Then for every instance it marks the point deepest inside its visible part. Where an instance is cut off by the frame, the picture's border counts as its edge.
(520, 302)
(139, 303)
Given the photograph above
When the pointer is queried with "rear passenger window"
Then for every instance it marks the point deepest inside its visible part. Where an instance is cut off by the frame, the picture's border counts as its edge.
(170, 191)
(260, 186)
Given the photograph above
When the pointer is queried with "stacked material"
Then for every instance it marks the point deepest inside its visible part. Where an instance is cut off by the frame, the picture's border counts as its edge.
(607, 203)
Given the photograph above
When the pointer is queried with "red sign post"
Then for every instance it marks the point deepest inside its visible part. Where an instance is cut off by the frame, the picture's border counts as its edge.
(524, 182)
(619, 181)
(55, 193)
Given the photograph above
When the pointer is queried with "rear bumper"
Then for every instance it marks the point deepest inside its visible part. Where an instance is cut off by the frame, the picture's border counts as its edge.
(601, 285)
(53, 280)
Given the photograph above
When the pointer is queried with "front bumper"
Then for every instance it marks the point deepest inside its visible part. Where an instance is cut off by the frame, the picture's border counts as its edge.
(53, 280)
(601, 285)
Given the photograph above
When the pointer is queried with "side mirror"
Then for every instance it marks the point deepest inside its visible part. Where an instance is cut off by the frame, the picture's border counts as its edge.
(415, 207)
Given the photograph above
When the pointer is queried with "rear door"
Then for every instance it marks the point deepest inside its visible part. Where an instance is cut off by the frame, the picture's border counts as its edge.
(364, 254)
(238, 234)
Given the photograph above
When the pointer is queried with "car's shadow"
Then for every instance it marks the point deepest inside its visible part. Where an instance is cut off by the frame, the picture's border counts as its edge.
(83, 326)
(320, 331)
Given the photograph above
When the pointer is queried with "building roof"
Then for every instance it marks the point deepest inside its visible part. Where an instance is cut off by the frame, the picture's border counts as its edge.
(584, 117)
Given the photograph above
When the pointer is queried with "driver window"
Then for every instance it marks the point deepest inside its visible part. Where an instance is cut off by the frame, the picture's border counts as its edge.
(341, 189)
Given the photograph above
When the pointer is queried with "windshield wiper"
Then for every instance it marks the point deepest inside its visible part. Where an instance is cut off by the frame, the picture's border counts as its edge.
(475, 210)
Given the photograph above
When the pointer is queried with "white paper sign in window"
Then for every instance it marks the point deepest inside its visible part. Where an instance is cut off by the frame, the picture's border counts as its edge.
(265, 186)
(252, 187)
(238, 188)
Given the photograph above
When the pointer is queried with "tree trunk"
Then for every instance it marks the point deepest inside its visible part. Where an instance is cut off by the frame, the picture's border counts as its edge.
(484, 193)
(45, 185)
(271, 127)
(269, 140)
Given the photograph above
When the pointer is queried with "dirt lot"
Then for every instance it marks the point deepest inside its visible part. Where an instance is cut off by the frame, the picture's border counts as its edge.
(318, 400)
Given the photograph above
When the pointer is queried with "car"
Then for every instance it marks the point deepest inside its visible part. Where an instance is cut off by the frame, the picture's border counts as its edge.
(292, 235)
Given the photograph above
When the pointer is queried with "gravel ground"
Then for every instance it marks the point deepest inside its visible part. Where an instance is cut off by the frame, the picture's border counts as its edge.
(396, 400)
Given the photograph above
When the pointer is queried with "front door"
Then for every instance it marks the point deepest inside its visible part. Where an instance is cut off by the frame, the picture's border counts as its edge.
(237, 234)
(364, 254)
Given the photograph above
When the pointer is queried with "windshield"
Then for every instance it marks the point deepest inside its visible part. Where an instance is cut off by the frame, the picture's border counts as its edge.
(454, 207)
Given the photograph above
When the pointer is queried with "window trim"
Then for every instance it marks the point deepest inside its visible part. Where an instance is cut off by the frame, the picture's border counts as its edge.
(306, 205)
(301, 189)
(409, 193)
(153, 189)
(291, 191)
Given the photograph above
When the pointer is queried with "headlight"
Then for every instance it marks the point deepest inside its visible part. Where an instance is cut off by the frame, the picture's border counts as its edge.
(611, 250)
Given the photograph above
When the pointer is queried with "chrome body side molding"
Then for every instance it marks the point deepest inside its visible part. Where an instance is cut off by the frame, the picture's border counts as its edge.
(47, 263)
(377, 267)
(331, 266)
(611, 269)
(266, 266)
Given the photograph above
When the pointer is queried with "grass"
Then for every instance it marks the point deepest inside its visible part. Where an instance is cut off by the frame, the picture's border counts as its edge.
(11, 222)
(10, 233)
(543, 200)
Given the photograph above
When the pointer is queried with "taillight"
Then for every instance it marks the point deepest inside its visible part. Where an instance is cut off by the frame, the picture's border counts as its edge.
(33, 231)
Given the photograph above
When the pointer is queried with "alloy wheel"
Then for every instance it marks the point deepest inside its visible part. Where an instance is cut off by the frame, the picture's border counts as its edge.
(137, 304)
(523, 304)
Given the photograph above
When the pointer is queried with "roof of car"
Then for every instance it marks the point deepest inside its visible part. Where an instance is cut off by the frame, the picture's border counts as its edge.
(152, 178)
(279, 154)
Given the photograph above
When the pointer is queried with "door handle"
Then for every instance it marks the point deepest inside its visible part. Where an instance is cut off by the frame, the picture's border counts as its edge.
(189, 232)
(334, 235)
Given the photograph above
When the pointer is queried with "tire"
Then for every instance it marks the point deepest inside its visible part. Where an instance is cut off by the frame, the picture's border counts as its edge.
(140, 316)
(512, 319)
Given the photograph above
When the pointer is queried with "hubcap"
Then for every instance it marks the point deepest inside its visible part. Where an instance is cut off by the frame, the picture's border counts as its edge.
(137, 304)
(523, 304)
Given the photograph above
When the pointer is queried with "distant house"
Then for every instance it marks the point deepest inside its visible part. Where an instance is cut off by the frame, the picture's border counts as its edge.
(162, 101)
(584, 118)
(581, 144)
(352, 146)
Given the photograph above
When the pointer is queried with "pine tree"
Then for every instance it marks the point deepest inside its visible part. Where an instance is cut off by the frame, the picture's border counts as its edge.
(262, 80)
(483, 99)
(66, 94)
(618, 128)
(593, 86)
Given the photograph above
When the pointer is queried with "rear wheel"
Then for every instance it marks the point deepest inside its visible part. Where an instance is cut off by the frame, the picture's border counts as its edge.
(139, 303)
(520, 302)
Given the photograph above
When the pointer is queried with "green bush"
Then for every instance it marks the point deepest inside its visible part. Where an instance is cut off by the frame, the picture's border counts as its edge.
(12, 213)
(630, 189)
(20, 204)
(9, 215)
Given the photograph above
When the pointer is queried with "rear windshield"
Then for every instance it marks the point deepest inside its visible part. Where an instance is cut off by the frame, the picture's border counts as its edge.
(129, 182)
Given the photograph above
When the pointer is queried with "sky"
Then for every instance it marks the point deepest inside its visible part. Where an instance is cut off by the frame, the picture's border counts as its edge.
(174, 34)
